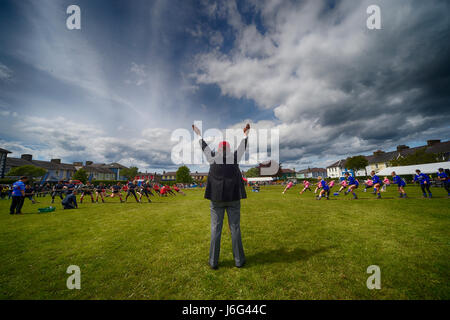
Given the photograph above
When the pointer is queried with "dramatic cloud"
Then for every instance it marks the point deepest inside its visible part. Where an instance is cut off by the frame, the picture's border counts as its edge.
(116, 89)
(5, 72)
(335, 87)
(72, 141)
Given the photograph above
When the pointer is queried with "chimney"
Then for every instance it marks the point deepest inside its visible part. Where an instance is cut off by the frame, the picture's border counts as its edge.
(378, 152)
(57, 161)
(432, 142)
(402, 147)
(27, 157)
(88, 163)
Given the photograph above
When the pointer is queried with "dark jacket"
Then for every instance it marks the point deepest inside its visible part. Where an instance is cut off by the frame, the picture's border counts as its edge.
(225, 181)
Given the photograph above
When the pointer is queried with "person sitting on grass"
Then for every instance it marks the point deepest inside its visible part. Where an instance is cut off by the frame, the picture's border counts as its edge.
(424, 181)
(70, 201)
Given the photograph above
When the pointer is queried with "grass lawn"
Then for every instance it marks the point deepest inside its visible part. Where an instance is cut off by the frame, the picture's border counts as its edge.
(296, 248)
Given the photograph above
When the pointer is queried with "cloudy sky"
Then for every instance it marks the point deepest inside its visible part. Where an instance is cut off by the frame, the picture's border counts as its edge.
(137, 70)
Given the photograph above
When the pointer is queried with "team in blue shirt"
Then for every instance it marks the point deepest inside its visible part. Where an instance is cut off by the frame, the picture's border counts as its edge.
(376, 184)
(424, 181)
(442, 176)
(325, 189)
(400, 183)
(352, 185)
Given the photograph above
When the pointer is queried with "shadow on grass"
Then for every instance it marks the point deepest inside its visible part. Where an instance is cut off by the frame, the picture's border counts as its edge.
(281, 255)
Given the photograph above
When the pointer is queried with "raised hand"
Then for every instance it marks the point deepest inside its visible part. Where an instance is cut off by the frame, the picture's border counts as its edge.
(247, 129)
(196, 130)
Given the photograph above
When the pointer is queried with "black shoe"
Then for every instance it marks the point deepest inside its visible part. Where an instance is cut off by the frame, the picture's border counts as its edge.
(214, 267)
(241, 265)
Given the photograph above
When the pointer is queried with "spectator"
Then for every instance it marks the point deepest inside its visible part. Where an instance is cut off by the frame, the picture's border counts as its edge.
(18, 196)
(70, 201)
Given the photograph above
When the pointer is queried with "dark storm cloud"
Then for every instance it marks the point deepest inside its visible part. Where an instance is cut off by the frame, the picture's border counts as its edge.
(308, 68)
(336, 87)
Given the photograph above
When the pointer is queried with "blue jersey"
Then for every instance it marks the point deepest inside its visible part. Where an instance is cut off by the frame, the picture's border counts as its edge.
(399, 181)
(324, 185)
(131, 186)
(18, 187)
(422, 178)
(376, 179)
(352, 181)
(443, 175)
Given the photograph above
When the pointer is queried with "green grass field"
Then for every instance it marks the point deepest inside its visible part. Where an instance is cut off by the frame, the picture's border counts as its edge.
(296, 248)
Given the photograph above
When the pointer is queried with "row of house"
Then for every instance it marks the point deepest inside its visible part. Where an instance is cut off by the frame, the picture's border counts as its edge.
(380, 159)
(56, 170)
(286, 174)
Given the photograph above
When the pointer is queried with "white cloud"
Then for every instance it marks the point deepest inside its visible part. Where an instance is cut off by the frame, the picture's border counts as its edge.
(5, 73)
(335, 87)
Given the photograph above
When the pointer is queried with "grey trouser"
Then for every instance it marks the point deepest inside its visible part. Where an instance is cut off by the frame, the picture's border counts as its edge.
(233, 209)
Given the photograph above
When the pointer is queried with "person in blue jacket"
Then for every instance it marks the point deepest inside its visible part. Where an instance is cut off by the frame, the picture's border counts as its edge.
(400, 183)
(442, 176)
(352, 185)
(424, 181)
(376, 184)
(70, 201)
(18, 196)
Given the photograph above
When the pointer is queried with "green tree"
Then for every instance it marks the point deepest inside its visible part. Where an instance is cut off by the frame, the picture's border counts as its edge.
(81, 175)
(252, 173)
(130, 173)
(28, 170)
(184, 175)
(357, 163)
(418, 157)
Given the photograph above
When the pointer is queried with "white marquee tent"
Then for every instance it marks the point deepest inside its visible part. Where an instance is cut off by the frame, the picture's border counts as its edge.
(428, 168)
(260, 179)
